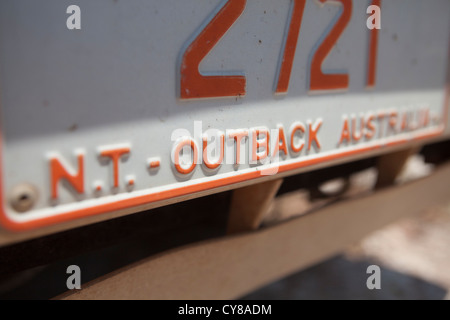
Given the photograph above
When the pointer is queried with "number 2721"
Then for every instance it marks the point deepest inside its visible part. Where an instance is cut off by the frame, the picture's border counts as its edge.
(194, 85)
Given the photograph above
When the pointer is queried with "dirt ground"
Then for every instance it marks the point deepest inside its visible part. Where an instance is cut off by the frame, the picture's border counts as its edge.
(413, 254)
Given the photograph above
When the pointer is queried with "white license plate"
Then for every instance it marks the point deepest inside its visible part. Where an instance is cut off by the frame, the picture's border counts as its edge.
(116, 115)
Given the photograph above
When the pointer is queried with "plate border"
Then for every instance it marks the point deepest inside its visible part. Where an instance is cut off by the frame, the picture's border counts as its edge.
(118, 205)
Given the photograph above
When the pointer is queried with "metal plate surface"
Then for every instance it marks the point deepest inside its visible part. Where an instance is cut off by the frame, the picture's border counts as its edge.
(114, 115)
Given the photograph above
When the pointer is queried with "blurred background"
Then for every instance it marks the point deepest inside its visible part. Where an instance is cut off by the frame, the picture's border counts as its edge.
(413, 255)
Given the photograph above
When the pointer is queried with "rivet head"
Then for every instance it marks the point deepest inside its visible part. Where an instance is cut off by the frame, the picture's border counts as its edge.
(23, 197)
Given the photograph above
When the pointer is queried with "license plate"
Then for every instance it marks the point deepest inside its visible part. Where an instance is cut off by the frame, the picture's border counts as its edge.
(124, 104)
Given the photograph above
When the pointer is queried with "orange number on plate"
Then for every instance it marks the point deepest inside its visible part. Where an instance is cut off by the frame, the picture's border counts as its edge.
(290, 46)
(373, 50)
(320, 80)
(195, 85)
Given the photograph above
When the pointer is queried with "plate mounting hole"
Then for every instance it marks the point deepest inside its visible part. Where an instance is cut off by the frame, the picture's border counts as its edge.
(23, 197)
